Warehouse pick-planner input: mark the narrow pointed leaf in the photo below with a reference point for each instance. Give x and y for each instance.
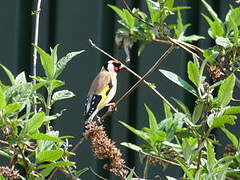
(47, 62)
(225, 91)
(132, 146)
(197, 112)
(9, 74)
(49, 155)
(220, 122)
(61, 64)
(183, 107)
(211, 159)
(193, 73)
(179, 81)
(56, 164)
(231, 137)
(45, 137)
(139, 133)
(21, 78)
(152, 120)
(232, 110)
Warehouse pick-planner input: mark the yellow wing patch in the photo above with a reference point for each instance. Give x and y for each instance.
(103, 94)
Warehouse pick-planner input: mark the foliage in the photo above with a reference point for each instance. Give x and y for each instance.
(27, 143)
(184, 137)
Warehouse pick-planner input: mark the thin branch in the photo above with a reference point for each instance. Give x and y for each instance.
(152, 69)
(183, 47)
(38, 10)
(97, 174)
(135, 74)
(74, 149)
(161, 159)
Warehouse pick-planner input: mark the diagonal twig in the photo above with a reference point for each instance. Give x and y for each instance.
(135, 74)
(153, 68)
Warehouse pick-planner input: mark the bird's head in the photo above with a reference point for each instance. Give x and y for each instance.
(114, 66)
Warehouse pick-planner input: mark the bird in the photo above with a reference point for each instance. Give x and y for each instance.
(102, 90)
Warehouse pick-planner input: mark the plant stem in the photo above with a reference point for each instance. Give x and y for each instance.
(36, 28)
(48, 107)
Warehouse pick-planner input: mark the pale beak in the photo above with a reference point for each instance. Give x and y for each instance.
(122, 66)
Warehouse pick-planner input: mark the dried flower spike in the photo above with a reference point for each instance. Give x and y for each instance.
(9, 173)
(104, 148)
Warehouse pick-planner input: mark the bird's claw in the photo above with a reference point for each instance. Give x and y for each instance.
(112, 107)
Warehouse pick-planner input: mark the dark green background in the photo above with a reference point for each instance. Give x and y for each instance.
(70, 24)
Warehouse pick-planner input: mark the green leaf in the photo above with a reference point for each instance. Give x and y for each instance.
(232, 16)
(47, 63)
(33, 124)
(54, 54)
(130, 20)
(220, 122)
(56, 164)
(139, 133)
(211, 159)
(179, 81)
(197, 112)
(2, 178)
(119, 12)
(48, 155)
(191, 38)
(183, 107)
(232, 110)
(216, 28)
(188, 147)
(11, 109)
(225, 91)
(61, 64)
(45, 137)
(21, 78)
(231, 137)
(167, 110)
(3, 102)
(186, 170)
(132, 146)
(45, 172)
(235, 30)
(152, 120)
(60, 95)
(211, 11)
(153, 8)
(9, 74)
(224, 42)
(56, 83)
(81, 171)
(193, 73)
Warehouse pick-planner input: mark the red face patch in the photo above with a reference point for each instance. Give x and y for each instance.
(117, 65)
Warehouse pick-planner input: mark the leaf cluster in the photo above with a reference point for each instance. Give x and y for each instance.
(27, 137)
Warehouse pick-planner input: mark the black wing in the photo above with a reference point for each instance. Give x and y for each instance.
(91, 105)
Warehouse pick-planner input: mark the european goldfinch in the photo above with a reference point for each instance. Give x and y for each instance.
(102, 90)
